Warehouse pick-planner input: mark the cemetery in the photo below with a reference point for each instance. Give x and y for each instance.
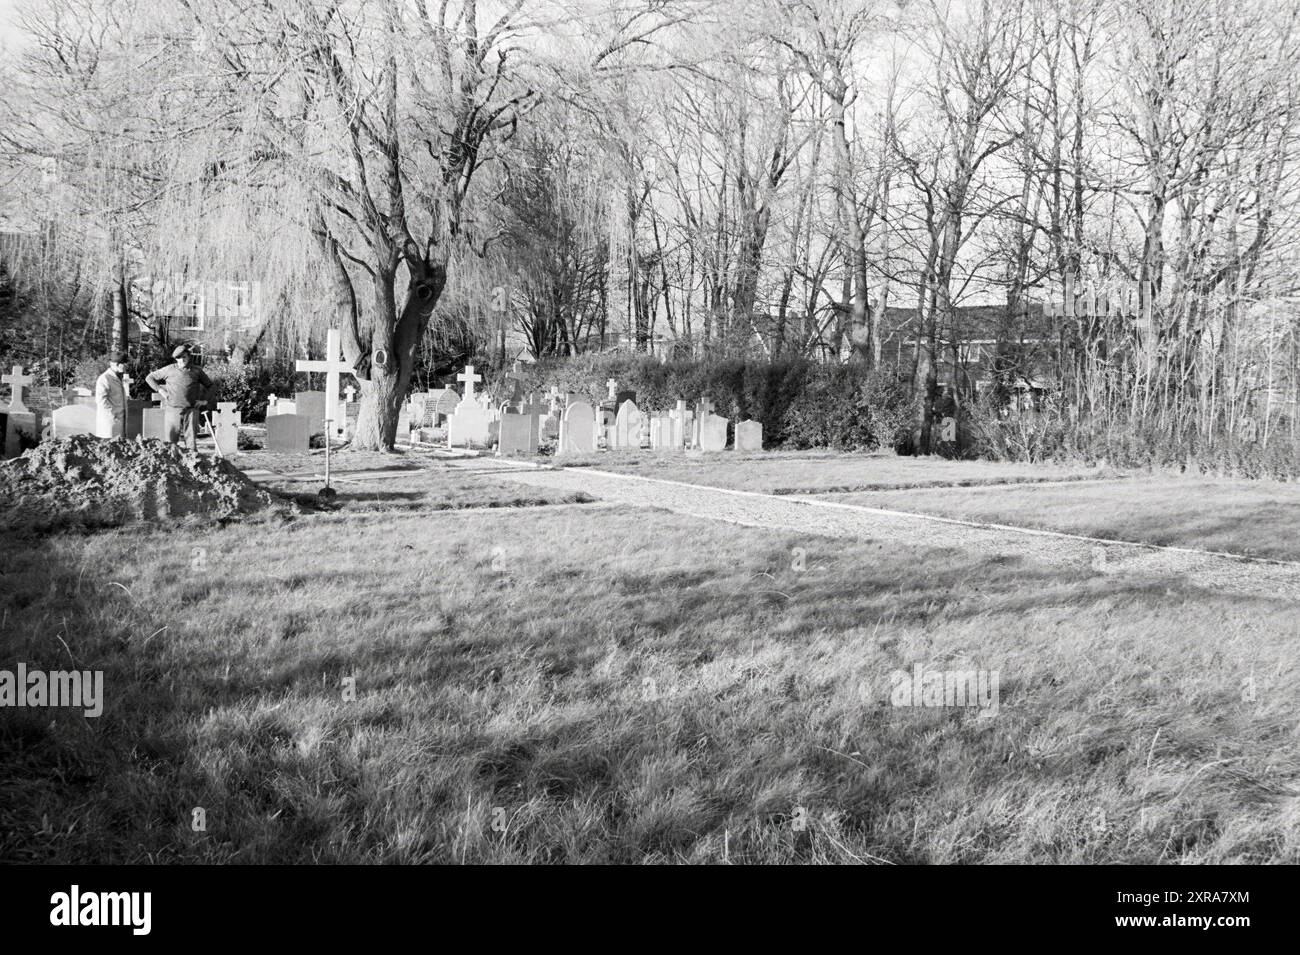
(651, 433)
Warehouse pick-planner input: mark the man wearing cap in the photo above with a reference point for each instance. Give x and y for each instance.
(186, 390)
(110, 398)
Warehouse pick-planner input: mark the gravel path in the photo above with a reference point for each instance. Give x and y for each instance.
(1218, 572)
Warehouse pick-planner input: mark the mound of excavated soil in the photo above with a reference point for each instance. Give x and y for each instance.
(92, 482)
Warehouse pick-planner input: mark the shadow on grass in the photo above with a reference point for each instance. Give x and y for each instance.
(522, 692)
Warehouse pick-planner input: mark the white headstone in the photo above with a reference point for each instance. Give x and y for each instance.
(578, 429)
(682, 425)
(627, 426)
(74, 419)
(713, 432)
(470, 423)
(226, 421)
(469, 379)
(16, 381)
(749, 436)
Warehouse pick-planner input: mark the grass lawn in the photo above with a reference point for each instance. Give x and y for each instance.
(785, 472)
(370, 482)
(606, 685)
(1250, 518)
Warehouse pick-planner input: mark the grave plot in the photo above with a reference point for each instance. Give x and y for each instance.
(1248, 518)
(814, 472)
(414, 481)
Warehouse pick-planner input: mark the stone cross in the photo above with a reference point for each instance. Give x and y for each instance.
(16, 381)
(469, 379)
(612, 385)
(333, 364)
(350, 392)
(225, 428)
(126, 384)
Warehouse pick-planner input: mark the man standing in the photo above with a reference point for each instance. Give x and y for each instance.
(110, 399)
(186, 390)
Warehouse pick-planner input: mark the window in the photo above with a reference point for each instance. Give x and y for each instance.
(189, 311)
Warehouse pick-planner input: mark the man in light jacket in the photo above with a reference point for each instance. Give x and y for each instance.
(110, 399)
(186, 391)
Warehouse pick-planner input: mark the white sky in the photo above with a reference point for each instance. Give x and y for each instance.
(8, 32)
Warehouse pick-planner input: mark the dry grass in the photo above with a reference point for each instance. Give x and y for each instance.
(773, 472)
(373, 482)
(571, 685)
(1249, 518)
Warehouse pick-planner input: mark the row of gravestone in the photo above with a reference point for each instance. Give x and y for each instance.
(585, 429)
(23, 427)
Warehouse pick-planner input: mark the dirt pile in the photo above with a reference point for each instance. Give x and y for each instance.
(91, 482)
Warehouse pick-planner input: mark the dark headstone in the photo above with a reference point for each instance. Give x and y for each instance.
(288, 432)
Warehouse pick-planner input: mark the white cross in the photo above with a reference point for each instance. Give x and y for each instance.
(333, 364)
(16, 381)
(126, 384)
(612, 385)
(469, 378)
(350, 392)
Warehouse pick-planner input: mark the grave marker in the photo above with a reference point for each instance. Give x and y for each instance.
(578, 429)
(627, 426)
(471, 422)
(153, 420)
(225, 426)
(74, 419)
(313, 406)
(518, 434)
(749, 436)
(289, 433)
(333, 365)
(713, 433)
(16, 381)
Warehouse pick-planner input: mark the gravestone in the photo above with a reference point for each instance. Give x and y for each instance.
(17, 382)
(135, 409)
(445, 406)
(280, 406)
(225, 423)
(627, 426)
(749, 436)
(948, 429)
(713, 433)
(518, 434)
(153, 420)
(333, 365)
(703, 408)
(21, 429)
(578, 429)
(78, 396)
(288, 432)
(311, 405)
(662, 433)
(74, 419)
(683, 424)
(470, 423)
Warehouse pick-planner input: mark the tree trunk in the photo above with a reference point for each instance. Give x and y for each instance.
(385, 374)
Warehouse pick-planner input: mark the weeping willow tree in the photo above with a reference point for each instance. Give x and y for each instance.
(382, 114)
(134, 183)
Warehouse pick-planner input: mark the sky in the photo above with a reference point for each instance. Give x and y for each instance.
(8, 32)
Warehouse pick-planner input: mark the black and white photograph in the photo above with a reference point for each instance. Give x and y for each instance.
(651, 432)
